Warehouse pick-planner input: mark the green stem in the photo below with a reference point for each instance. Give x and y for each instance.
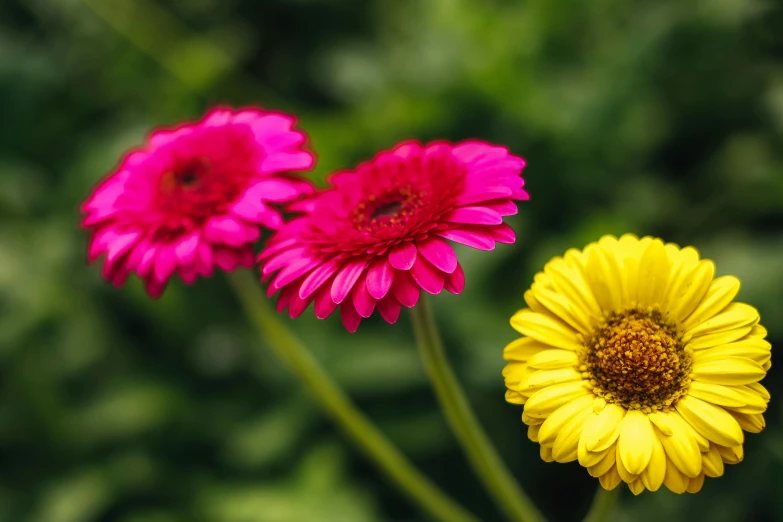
(337, 405)
(499, 482)
(602, 505)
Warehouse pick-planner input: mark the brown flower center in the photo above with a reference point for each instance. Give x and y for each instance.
(636, 358)
(387, 210)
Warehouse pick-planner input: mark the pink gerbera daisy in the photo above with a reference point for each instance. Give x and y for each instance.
(379, 236)
(195, 196)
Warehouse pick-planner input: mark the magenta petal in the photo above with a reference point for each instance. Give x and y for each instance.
(188, 273)
(297, 305)
(439, 253)
(379, 278)
(187, 249)
(324, 305)
(225, 229)
(473, 239)
(503, 207)
(405, 289)
(274, 248)
(474, 216)
(292, 272)
(279, 161)
(155, 288)
(285, 298)
(283, 259)
(503, 234)
(427, 276)
(346, 278)
(362, 300)
(317, 277)
(389, 308)
(205, 260)
(351, 318)
(137, 254)
(403, 256)
(455, 281)
(165, 263)
(274, 190)
(247, 258)
(482, 194)
(120, 244)
(147, 261)
(226, 258)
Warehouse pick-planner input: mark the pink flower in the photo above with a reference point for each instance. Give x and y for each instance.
(379, 236)
(195, 196)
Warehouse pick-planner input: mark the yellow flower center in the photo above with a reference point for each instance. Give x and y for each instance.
(636, 358)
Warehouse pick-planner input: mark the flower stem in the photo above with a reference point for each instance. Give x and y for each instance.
(602, 505)
(497, 479)
(337, 405)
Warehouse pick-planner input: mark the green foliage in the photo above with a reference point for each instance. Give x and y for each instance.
(660, 118)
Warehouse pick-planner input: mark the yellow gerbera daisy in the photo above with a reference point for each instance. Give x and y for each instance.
(637, 363)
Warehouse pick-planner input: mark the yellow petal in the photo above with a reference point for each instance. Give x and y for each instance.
(731, 371)
(565, 446)
(675, 480)
(687, 290)
(530, 421)
(544, 378)
(532, 432)
(605, 464)
(601, 430)
(752, 423)
(717, 394)
(514, 371)
(559, 306)
(626, 475)
(717, 338)
(546, 454)
(636, 487)
(755, 349)
(542, 403)
(545, 329)
(712, 463)
(554, 424)
(514, 397)
(695, 484)
(760, 389)
(711, 421)
(610, 480)
(590, 458)
(732, 455)
(653, 475)
(654, 272)
(523, 349)
(701, 441)
(570, 283)
(735, 315)
(681, 448)
(604, 277)
(754, 403)
(635, 445)
(758, 331)
(721, 292)
(551, 359)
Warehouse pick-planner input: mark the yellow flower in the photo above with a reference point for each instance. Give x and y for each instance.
(637, 363)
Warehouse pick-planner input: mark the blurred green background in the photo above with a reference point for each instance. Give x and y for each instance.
(660, 118)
